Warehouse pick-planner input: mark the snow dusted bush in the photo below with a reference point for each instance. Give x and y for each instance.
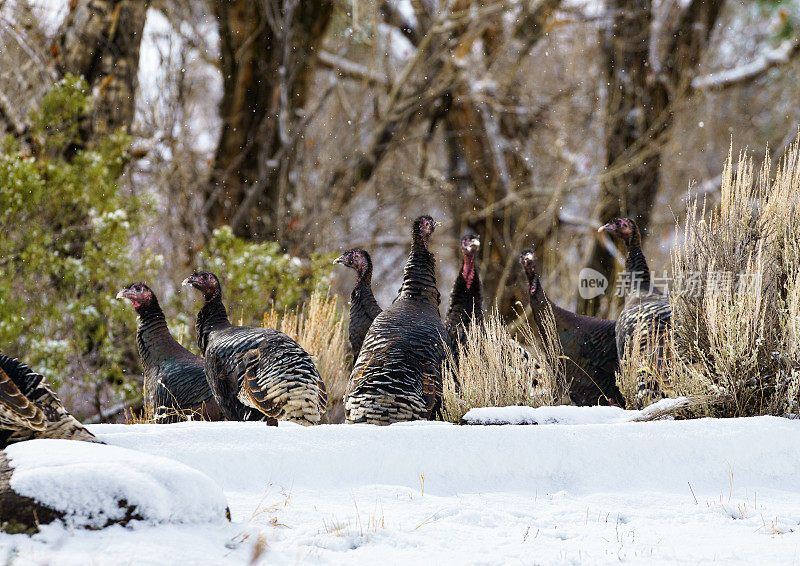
(65, 249)
(259, 276)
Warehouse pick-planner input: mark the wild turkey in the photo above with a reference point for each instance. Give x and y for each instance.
(363, 306)
(254, 368)
(643, 303)
(589, 344)
(398, 374)
(30, 409)
(466, 299)
(175, 386)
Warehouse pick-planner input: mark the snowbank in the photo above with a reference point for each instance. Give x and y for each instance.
(88, 482)
(757, 453)
(602, 492)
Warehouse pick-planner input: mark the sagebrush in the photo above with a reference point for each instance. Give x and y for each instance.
(733, 346)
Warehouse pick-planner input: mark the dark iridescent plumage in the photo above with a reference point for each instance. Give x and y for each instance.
(589, 345)
(254, 368)
(466, 299)
(175, 385)
(398, 374)
(643, 303)
(363, 306)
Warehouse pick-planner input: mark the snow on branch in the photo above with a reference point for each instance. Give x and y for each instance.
(352, 70)
(749, 71)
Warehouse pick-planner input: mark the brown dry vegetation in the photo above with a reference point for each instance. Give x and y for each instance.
(734, 343)
(493, 371)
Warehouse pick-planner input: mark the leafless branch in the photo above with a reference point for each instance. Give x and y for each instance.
(750, 71)
(353, 70)
(257, 188)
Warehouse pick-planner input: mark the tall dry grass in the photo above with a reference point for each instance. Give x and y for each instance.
(494, 370)
(319, 328)
(734, 346)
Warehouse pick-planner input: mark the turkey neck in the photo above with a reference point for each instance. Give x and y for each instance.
(152, 334)
(539, 305)
(362, 299)
(212, 316)
(419, 275)
(467, 294)
(539, 300)
(636, 264)
(468, 270)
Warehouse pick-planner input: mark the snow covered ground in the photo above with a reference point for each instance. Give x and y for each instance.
(598, 492)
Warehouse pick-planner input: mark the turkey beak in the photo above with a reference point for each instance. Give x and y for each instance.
(121, 294)
(187, 281)
(604, 228)
(341, 259)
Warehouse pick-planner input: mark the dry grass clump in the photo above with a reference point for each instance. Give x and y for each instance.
(494, 370)
(736, 297)
(319, 327)
(147, 416)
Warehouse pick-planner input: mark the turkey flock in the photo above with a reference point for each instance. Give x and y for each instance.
(261, 374)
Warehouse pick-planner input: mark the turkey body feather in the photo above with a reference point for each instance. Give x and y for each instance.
(654, 310)
(397, 377)
(257, 369)
(588, 344)
(590, 347)
(265, 370)
(30, 409)
(175, 385)
(398, 374)
(363, 306)
(646, 311)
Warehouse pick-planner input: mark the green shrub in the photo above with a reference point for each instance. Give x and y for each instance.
(258, 277)
(65, 250)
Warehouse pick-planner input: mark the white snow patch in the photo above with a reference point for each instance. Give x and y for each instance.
(87, 481)
(397, 46)
(668, 492)
(514, 415)
(407, 10)
(565, 414)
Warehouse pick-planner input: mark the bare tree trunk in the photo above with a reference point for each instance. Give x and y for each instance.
(268, 54)
(645, 83)
(100, 40)
(495, 170)
(433, 90)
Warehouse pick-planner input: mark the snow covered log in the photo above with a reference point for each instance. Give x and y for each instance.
(94, 486)
(20, 514)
